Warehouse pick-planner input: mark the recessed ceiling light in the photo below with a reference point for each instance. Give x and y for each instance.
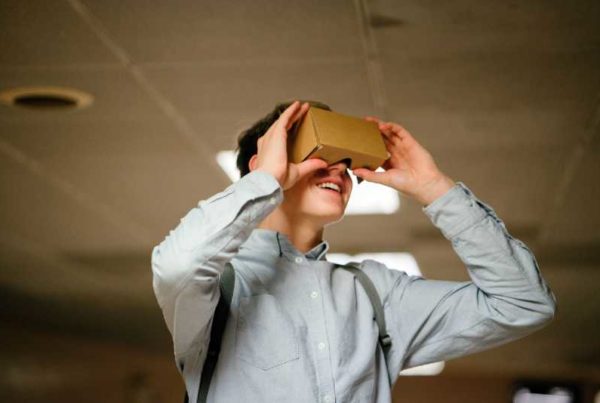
(366, 198)
(46, 98)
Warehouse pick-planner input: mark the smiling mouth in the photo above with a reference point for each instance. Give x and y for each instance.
(330, 189)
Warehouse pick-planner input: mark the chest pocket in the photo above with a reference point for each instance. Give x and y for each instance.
(265, 334)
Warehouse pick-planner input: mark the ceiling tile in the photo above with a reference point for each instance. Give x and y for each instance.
(153, 190)
(47, 33)
(463, 27)
(187, 30)
(32, 208)
(221, 99)
(52, 139)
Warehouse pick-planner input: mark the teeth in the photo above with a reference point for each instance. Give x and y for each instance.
(329, 185)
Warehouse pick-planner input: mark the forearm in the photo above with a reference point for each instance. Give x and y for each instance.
(506, 298)
(499, 265)
(187, 264)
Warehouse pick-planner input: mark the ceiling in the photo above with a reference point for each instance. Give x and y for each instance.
(505, 95)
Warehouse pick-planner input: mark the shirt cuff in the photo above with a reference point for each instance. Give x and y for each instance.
(258, 183)
(456, 210)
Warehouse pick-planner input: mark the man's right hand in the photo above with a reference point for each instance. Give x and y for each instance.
(272, 155)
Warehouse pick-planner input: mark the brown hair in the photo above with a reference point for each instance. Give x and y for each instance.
(247, 140)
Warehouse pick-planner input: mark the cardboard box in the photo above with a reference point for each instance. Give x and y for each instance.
(335, 137)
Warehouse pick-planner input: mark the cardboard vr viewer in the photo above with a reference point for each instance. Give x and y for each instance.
(334, 137)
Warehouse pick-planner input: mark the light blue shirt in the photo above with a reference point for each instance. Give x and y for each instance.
(299, 331)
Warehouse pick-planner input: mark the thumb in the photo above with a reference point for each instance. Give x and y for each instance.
(310, 165)
(371, 176)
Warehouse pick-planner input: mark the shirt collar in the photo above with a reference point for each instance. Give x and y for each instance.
(270, 241)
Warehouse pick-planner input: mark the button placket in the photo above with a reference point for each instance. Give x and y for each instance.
(319, 337)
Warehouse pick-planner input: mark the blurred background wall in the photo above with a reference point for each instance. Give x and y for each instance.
(505, 95)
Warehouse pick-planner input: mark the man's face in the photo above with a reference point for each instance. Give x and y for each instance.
(322, 195)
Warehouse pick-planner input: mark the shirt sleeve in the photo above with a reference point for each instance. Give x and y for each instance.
(187, 264)
(506, 299)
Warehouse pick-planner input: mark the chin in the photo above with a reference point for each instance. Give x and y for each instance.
(318, 207)
(331, 217)
(333, 221)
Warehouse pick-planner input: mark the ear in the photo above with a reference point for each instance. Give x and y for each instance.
(252, 162)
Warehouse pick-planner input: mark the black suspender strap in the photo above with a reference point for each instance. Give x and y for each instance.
(226, 285)
(384, 338)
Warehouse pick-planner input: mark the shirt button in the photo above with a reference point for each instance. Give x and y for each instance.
(298, 259)
(314, 294)
(326, 398)
(273, 200)
(321, 346)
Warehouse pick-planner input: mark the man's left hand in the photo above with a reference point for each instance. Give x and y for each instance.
(410, 169)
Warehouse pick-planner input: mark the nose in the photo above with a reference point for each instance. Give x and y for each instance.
(341, 168)
(338, 168)
(340, 165)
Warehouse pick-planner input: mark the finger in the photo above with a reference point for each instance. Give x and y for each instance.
(391, 141)
(288, 113)
(387, 137)
(387, 164)
(269, 133)
(371, 176)
(372, 119)
(298, 115)
(401, 132)
(396, 141)
(396, 127)
(391, 148)
(310, 165)
(386, 128)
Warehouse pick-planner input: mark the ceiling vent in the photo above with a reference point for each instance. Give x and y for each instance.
(46, 98)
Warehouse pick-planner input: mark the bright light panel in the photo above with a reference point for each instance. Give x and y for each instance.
(366, 198)
(372, 198)
(556, 396)
(226, 160)
(435, 368)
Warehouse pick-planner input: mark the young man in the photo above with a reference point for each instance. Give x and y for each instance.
(300, 331)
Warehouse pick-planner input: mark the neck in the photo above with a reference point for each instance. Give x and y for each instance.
(302, 233)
